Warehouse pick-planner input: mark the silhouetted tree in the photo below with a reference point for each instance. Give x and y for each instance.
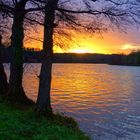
(15, 83)
(43, 100)
(3, 78)
(16, 9)
(4, 86)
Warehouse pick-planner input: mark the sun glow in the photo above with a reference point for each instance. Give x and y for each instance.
(79, 51)
(83, 42)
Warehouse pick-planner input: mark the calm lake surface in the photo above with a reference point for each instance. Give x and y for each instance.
(104, 99)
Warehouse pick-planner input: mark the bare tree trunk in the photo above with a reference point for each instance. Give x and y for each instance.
(44, 99)
(3, 77)
(16, 92)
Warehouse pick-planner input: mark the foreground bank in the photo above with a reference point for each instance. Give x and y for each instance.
(19, 123)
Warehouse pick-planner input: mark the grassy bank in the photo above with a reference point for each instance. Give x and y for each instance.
(21, 124)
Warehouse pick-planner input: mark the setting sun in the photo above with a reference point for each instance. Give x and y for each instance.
(79, 51)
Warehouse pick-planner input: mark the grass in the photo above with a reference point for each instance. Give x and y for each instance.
(21, 124)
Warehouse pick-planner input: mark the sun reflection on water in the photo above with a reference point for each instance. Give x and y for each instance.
(103, 99)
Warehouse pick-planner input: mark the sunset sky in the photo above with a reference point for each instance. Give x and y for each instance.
(112, 41)
(108, 43)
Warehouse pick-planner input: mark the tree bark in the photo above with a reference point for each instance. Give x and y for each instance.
(44, 99)
(3, 77)
(16, 92)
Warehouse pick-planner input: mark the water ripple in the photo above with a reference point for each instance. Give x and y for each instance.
(104, 99)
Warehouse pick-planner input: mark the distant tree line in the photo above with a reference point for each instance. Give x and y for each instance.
(132, 59)
(33, 56)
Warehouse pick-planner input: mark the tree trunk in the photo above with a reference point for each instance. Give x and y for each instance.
(16, 92)
(3, 77)
(44, 99)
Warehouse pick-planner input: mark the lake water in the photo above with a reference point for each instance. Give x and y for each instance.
(104, 99)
